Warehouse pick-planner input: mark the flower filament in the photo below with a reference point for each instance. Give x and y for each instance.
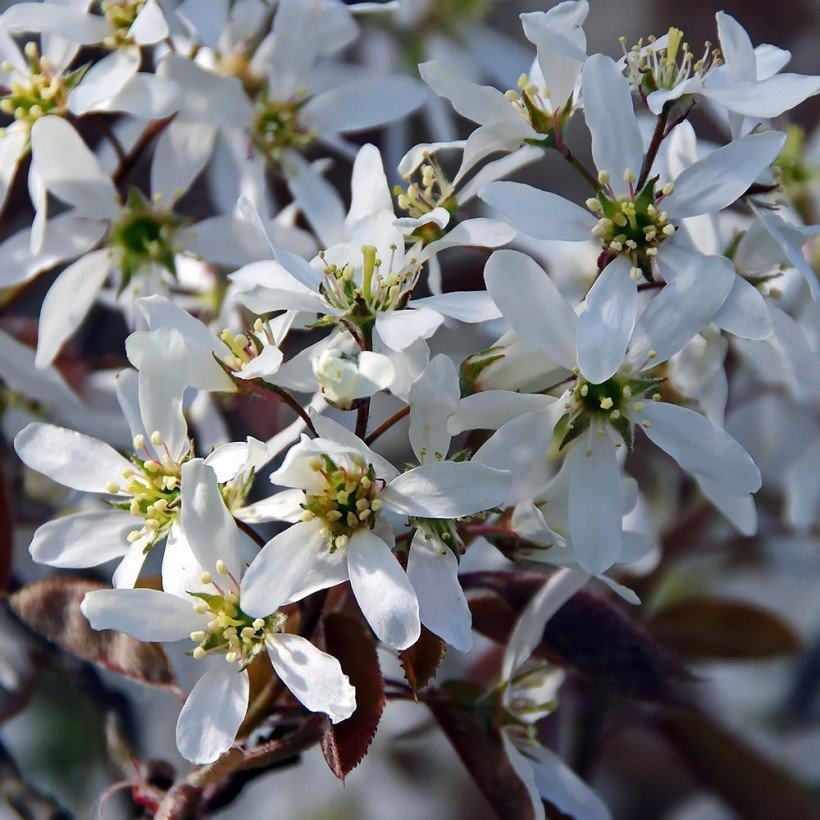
(121, 15)
(277, 126)
(376, 291)
(230, 631)
(245, 347)
(653, 67)
(534, 106)
(418, 200)
(347, 502)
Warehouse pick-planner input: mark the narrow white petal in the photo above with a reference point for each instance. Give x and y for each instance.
(318, 199)
(383, 591)
(617, 145)
(447, 489)
(213, 713)
(605, 327)
(433, 399)
(398, 329)
(765, 98)
(544, 319)
(314, 678)
(433, 571)
(52, 18)
(717, 180)
(701, 447)
(145, 614)
(745, 312)
(68, 301)
(70, 458)
(739, 509)
(83, 539)
(104, 80)
(180, 155)
(595, 505)
(540, 214)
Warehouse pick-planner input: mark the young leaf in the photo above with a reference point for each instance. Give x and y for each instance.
(720, 628)
(51, 608)
(422, 660)
(345, 744)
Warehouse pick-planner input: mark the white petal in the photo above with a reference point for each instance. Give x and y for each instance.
(529, 629)
(70, 171)
(745, 312)
(680, 310)
(383, 591)
(104, 80)
(739, 509)
(162, 381)
(207, 523)
(145, 614)
(368, 184)
(538, 213)
(70, 458)
(68, 301)
(523, 768)
(491, 409)
(471, 306)
(802, 482)
(314, 678)
(283, 506)
(558, 784)
(264, 365)
(595, 505)
(83, 539)
(474, 233)
(295, 562)
(701, 447)
(765, 98)
(180, 155)
(52, 18)
(479, 103)
(433, 399)
(12, 149)
(716, 181)
(149, 27)
(446, 489)
(362, 104)
(318, 199)
(181, 572)
(433, 571)
(544, 319)
(617, 145)
(398, 329)
(605, 327)
(213, 713)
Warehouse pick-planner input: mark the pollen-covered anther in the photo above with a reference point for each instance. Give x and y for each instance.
(346, 503)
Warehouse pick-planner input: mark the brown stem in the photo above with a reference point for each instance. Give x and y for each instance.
(109, 134)
(387, 424)
(657, 138)
(264, 389)
(250, 532)
(154, 129)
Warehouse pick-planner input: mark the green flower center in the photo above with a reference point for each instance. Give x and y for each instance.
(143, 236)
(632, 224)
(277, 127)
(347, 502)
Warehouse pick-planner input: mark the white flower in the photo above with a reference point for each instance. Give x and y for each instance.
(639, 226)
(343, 379)
(530, 694)
(369, 274)
(345, 495)
(613, 353)
(205, 605)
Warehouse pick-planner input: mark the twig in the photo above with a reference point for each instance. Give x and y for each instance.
(387, 424)
(657, 138)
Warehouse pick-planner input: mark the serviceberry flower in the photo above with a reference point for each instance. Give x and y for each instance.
(344, 496)
(209, 611)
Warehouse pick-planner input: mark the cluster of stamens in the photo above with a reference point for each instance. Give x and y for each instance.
(533, 104)
(631, 224)
(230, 631)
(616, 403)
(121, 15)
(378, 291)
(43, 91)
(277, 126)
(244, 347)
(145, 234)
(435, 191)
(652, 68)
(153, 484)
(347, 502)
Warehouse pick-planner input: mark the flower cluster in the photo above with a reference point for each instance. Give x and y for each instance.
(318, 444)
